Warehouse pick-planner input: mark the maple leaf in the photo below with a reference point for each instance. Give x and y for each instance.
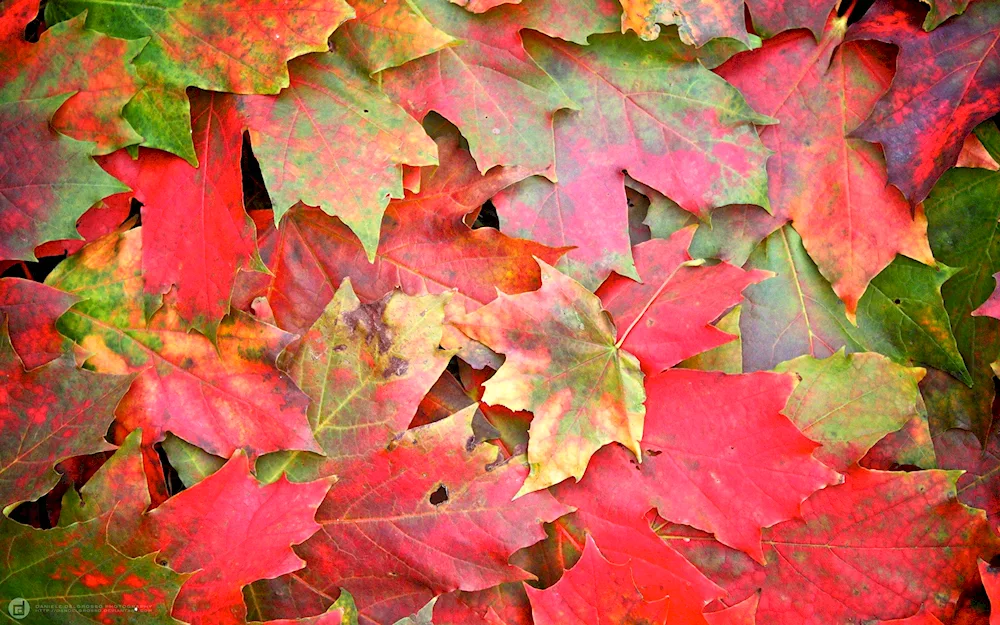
(831, 566)
(946, 84)
(33, 334)
(847, 403)
(50, 413)
(302, 136)
(903, 316)
(117, 493)
(832, 187)
(432, 514)
(742, 613)
(196, 233)
(700, 22)
(426, 247)
(730, 233)
(67, 59)
(182, 377)
(365, 368)
(504, 604)
(572, 599)
(192, 463)
(422, 617)
(701, 468)
(963, 233)
(979, 485)
(510, 120)
(991, 307)
(909, 446)
(48, 180)
(564, 365)
(364, 42)
(902, 313)
(668, 317)
(102, 218)
(70, 569)
(616, 519)
(229, 530)
(212, 45)
(660, 116)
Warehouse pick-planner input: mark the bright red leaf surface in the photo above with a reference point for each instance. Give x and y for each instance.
(595, 592)
(719, 455)
(229, 530)
(879, 546)
(196, 234)
(432, 513)
(667, 317)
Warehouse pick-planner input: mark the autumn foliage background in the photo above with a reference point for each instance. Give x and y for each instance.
(551, 312)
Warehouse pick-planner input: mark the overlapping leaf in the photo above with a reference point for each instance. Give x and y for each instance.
(573, 600)
(832, 187)
(228, 531)
(366, 368)
(31, 310)
(69, 59)
(49, 414)
(196, 233)
(76, 574)
(667, 318)
(947, 82)
(849, 403)
(47, 180)
(652, 110)
(913, 545)
(564, 365)
(217, 46)
(432, 514)
(182, 377)
(426, 247)
(308, 137)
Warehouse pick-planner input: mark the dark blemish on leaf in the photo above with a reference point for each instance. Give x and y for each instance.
(652, 453)
(368, 319)
(396, 366)
(496, 464)
(340, 348)
(439, 496)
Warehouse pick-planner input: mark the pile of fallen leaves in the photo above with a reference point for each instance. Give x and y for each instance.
(499, 312)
